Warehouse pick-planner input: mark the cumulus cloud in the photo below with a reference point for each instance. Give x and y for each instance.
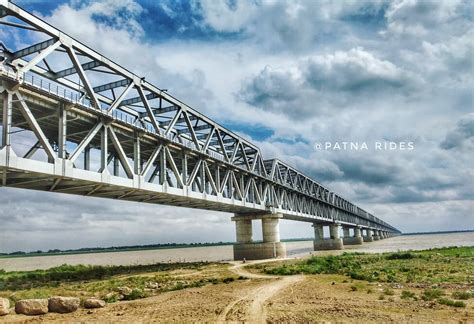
(418, 17)
(462, 135)
(325, 81)
(286, 25)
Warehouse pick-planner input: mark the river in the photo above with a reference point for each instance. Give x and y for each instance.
(224, 253)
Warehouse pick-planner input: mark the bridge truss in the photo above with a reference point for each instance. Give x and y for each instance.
(73, 121)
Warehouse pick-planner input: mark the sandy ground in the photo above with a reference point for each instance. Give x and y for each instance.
(267, 299)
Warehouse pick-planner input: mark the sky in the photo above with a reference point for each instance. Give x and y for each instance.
(297, 78)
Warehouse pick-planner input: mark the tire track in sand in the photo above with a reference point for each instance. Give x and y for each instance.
(256, 311)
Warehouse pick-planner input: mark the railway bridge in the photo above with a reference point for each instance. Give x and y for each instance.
(73, 121)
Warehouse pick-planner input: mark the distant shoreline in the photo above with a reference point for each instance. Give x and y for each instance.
(165, 246)
(439, 232)
(21, 254)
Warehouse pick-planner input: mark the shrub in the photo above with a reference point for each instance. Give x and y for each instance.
(381, 297)
(400, 256)
(407, 294)
(369, 291)
(388, 292)
(452, 303)
(135, 294)
(465, 295)
(353, 288)
(228, 279)
(431, 294)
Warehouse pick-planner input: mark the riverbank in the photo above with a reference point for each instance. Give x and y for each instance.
(413, 286)
(224, 253)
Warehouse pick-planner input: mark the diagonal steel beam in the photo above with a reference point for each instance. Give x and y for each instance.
(80, 148)
(151, 160)
(41, 56)
(148, 109)
(117, 102)
(82, 76)
(173, 167)
(122, 156)
(26, 112)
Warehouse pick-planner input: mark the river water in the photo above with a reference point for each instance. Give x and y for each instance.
(224, 253)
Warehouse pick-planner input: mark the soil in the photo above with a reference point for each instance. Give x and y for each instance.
(273, 299)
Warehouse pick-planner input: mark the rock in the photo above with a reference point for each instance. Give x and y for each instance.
(31, 306)
(63, 304)
(94, 303)
(124, 290)
(4, 306)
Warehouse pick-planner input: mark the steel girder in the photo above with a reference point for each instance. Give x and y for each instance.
(148, 135)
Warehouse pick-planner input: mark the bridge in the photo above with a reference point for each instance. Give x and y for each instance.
(73, 121)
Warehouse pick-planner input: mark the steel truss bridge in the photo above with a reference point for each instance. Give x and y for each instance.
(73, 121)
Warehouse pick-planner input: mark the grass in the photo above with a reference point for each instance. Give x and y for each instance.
(388, 292)
(452, 303)
(434, 266)
(18, 280)
(407, 294)
(431, 294)
(464, 295)
(104, 281)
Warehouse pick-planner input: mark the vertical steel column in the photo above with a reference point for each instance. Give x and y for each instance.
(87, 158)
(116, 166)
(104, 149)
(137, 159)
(7, 119)
(162, 166)
(218, 179)
(62, 114)
(184, 166)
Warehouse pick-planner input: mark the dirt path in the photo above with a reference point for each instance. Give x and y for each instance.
(253, 303)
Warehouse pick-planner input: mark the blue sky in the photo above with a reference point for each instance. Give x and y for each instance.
(288, 75)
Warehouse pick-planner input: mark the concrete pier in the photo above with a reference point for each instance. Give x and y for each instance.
(356, 239)
(271, 247)
(368, 237)
(376, 235)
(334, 242)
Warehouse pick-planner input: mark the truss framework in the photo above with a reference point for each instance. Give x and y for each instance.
(152, 147)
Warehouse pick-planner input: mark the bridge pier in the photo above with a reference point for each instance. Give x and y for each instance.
(368, 237)
(334, 242)
(356, 239)
(271, 247)
(376, 235)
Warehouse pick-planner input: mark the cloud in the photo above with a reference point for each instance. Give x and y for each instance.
(287, 25)
(325, 81)
(462, 135)
(418, 17)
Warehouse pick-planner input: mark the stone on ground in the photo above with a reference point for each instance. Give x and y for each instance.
(31, 306)
(94, 303)
(63, 304)
(4, 306)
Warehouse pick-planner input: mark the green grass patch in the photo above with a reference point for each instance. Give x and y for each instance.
(464, 295)
(407, 294)
(431, 294)
(432, 266)
(20, 280)
(452, 303)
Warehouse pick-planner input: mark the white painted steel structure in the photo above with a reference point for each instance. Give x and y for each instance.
(96, 129)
